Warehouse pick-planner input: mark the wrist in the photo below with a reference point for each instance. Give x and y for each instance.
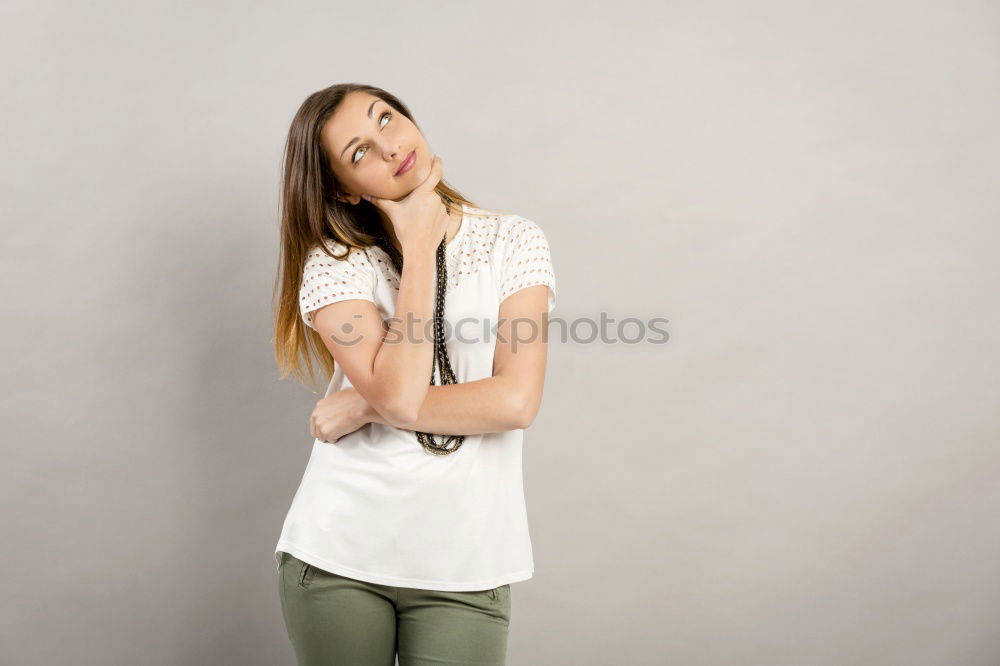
(364, 412)
(424, 257)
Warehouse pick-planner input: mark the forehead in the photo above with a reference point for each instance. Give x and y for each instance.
(350, 118)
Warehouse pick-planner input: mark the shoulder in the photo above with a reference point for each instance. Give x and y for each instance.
(332, 262)
(517, 234)
(518, 226)
(503, 231)
(332, 253)
(331, 274)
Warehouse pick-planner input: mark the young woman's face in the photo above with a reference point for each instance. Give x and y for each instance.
(367, 142)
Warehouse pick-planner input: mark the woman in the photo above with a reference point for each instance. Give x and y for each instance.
(409, 523)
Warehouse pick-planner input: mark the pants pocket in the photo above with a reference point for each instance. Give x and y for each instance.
(503, 603)
(499, 594)
(306, 573)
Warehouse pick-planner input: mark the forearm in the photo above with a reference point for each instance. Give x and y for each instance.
(485, 405)
(403, 364)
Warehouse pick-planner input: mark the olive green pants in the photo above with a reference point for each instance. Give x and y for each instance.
(333, 620)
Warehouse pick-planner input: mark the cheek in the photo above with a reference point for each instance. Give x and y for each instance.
(373, 176)
(408, 134)
(346, 176)
(376, 179)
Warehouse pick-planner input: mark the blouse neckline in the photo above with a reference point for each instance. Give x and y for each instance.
(461, 230)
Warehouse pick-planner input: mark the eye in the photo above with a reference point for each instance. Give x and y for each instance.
(356, 159)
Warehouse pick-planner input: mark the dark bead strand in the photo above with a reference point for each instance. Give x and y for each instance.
(442, 362)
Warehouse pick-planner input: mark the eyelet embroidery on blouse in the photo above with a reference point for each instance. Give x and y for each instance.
(517, 243)
(528, 259)
(464, 258)
(326, 280)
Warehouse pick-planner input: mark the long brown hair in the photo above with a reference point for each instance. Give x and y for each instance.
(311, 214)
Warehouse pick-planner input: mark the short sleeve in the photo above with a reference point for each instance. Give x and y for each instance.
(526, 260)
(326, 280)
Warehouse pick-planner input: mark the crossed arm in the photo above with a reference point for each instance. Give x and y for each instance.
(507, 400)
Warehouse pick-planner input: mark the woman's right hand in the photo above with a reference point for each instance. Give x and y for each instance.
(420, 219)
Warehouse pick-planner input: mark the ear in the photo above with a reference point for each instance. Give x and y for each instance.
(352, 199)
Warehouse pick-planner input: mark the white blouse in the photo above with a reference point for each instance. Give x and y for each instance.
(375, 505)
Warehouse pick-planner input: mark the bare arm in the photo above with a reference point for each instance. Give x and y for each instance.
(392, 376)
(509, 399)
(467, 408)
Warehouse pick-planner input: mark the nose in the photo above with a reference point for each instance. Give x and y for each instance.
(389, 146)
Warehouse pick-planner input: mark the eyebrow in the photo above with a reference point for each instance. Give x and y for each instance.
(351, 142)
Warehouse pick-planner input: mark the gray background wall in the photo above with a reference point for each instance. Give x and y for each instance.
(804, 474)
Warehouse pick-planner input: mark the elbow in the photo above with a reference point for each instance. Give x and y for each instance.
(401, 415)
(523, 411)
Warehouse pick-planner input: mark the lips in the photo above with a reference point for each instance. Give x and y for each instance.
(407, 163)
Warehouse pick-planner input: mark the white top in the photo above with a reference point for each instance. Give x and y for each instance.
(375, 505)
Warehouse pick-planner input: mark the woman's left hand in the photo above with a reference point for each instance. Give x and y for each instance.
(338, 414)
